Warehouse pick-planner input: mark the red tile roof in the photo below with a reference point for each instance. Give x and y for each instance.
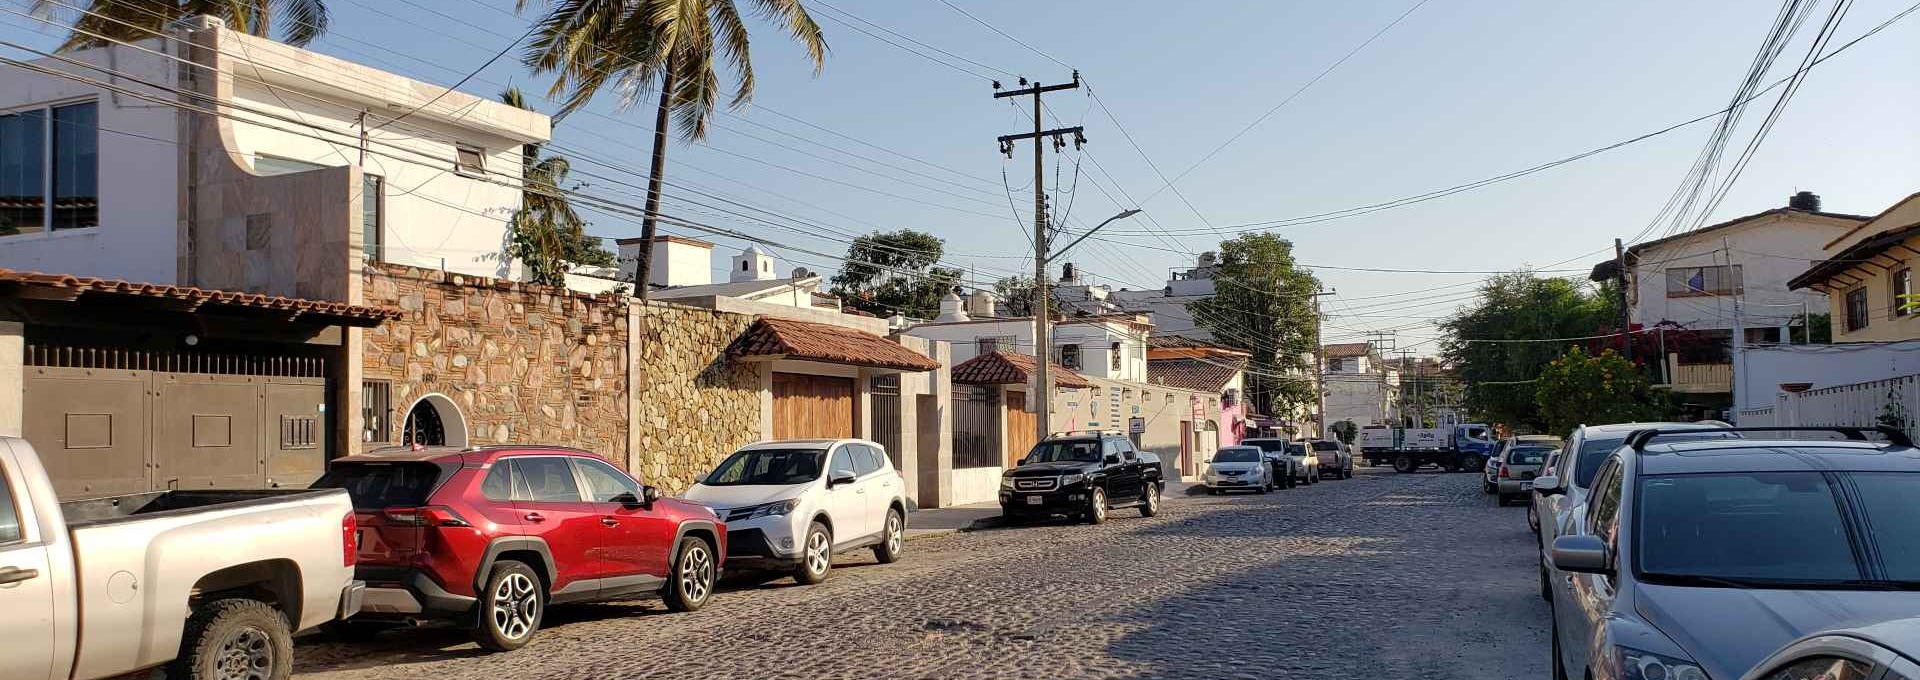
(66, 287)
(788, 339)
(1351, 349)
(1192, 374)
(1001, 368)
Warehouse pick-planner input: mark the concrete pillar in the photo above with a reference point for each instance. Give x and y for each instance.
(766, 399)
(13, 378)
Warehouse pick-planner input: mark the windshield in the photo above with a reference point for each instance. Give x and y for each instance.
(768, 466)
(377, 486)
(1326, 446)
(1237, 455)
(1528, 455)
(1268, 445)
(1296, 449)
(1078, 451)
(1751, 528)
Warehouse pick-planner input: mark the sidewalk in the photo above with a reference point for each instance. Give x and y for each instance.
(941, 521)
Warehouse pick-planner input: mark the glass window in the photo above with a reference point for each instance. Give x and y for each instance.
(1857, 309)
(606, 484)
(268, 166)
(9, 514)
(866, 461)
(1825, 668)
(471, 160)
(372, 215)
(1077, 450)
(1903, 301)
(1693, 281)
(1529, 455)
(76, 166)
(23, 179)
(1889, 501)
(1593, 452)
(842, 463)
(546, 479)
(1070, 356)
(498, 486)
(1118, 352)
(767, 466)
(1606, 503)
(1757, 527)
(376, 486)
(1237, 454)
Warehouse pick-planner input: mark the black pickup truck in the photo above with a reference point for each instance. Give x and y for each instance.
(1082, 476)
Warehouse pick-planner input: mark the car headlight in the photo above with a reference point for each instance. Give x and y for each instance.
(773, 509)
(1074, 478)
(1643, 665)
(1006, 482)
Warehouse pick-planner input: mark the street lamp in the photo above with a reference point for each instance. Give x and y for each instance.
(1124, 214)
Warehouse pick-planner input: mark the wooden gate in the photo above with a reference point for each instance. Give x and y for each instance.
(1020, 424)
(812, 406)
(113, 421)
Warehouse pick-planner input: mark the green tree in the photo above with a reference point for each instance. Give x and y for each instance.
(546, 234)
(1816, 329)
(1016, 295)
(1518, 307)
(674, 48)
(103, 22)
(1578, 387)
(894, 271)
(1262, 302)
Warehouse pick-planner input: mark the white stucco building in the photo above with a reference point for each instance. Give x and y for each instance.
(1110, 346)
(1358, 386)
(173, 200)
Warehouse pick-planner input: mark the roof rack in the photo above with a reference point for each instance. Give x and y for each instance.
(1639, 439)
(1070, 433)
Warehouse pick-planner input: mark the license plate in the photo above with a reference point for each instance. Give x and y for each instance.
(1036, 500)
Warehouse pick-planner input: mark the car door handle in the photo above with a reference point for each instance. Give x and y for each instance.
(609, 522)
(16, 575)
(535, 517)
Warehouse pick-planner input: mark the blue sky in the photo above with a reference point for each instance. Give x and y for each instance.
(1458, 91)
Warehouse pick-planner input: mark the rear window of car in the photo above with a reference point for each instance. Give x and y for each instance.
(1527, 456)
(1268, 445)
(1325, 446)
(376, 486)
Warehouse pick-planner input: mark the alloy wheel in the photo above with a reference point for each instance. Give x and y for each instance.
(1099, 503)
(247, 655)
(894, 534)
(696, 574)
(515, 603)
(817, 556)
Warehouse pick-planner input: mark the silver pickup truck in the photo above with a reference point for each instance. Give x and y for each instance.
(215, 582)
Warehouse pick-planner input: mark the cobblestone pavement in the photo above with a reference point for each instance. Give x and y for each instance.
(1382, 576)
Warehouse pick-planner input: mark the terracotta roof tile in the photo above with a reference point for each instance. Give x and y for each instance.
(1351, 349)
(802, 340)
(1001, 368)
(69, 287)
(1193, 374)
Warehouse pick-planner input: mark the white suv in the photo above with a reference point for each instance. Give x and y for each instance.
(794, 504)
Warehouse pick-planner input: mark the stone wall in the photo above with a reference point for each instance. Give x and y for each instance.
(521, 363)
(691, 405)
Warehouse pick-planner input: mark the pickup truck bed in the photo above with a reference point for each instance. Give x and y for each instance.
(88, 511)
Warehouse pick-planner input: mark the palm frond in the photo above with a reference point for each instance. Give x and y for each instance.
(800, 26)
(733, 45)
(305, 20)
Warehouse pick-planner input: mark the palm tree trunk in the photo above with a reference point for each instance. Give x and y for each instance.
(642, 270)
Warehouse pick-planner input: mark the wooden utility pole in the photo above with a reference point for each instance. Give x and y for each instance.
(1626, 315)
(1041, 400)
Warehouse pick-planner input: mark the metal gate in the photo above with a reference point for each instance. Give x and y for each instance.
(884, 399)
(976, 427)
(111, 420)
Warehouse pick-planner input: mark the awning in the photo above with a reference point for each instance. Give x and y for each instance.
(774, 339)
(69, 288)
(1000, 368)
(1854, 256)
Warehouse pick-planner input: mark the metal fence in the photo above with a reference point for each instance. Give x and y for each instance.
(976, 428)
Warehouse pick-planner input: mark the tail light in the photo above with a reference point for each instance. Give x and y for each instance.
(1504, 473)
(428, 516)
(349, 540)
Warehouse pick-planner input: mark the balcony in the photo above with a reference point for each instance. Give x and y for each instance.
(1698, 378)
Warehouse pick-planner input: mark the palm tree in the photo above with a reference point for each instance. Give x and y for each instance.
(104, 22)
(634, 46)
(547, 234)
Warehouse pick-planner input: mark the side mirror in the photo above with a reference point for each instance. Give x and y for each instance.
(1581, 554)
(628, 500)
(839, 478)
(649, 495)
(1112, 459)
(1548, 485)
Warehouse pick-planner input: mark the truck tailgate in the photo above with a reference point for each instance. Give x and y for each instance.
(137, 571)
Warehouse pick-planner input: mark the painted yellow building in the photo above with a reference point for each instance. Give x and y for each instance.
(1867, 273)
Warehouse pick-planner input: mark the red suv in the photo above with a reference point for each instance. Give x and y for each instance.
(489, 537)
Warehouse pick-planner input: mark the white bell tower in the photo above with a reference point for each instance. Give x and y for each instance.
(752, 264)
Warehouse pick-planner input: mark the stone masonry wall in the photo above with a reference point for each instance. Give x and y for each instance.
(691, 405)
(523, 363)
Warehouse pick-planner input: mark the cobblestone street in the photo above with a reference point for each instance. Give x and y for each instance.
(1382, 576)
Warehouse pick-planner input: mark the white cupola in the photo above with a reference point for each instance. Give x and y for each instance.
(752, 264)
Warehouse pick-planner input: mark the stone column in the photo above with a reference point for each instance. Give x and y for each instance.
(13, 378)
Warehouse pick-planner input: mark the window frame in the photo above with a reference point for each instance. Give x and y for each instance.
(1708, 274)
(1118, 352)
(11, 503)
(377, 185)
(582, 463)
(47, 173)
(1895, 290)
(1076, 356)
(520, 480)
(843, 449)
(479, 166)
(509, 470)
(1857, 319)
(383, 433)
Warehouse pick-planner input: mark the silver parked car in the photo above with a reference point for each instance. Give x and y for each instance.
(1239, 468)
(1885, 651)
(1698, 558)
(1519, 466)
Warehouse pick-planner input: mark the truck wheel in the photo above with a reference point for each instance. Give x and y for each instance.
(235, 638)
(1150, 505)
(894, 542)
(1404, 463)
(1097, 506)
(511, 607)
(1474, 463)
(690, 581)
(816, 556)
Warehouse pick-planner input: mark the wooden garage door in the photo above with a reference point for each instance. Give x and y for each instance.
(1020, 424)
(812, 406)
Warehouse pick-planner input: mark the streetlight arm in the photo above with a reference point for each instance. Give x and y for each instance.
(1123, 215)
